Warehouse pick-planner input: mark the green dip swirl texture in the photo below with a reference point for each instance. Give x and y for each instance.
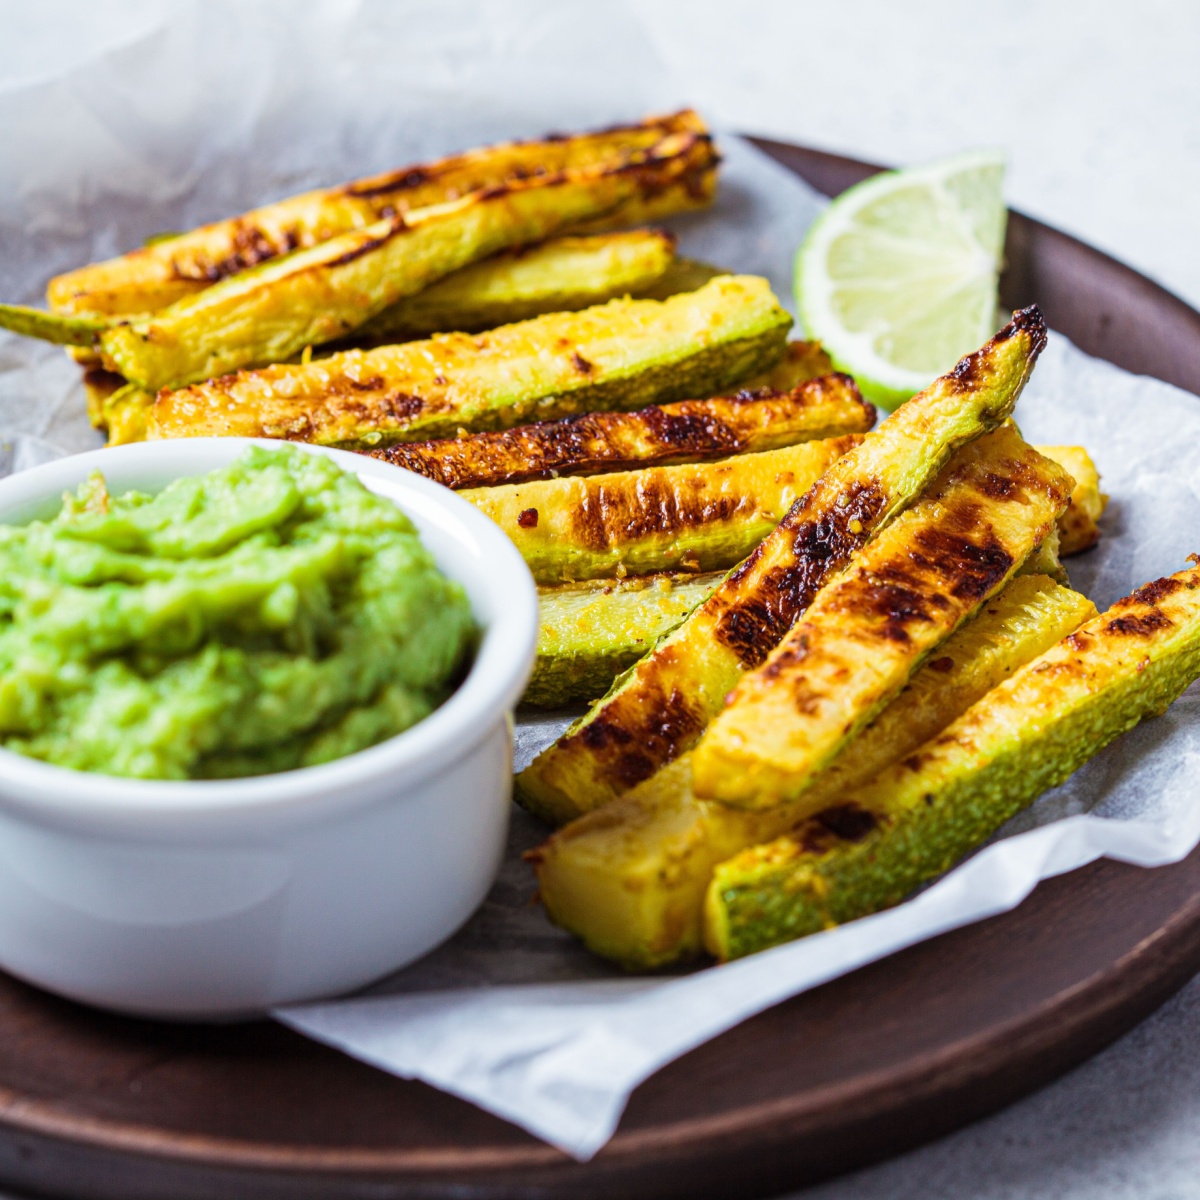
(270, 615)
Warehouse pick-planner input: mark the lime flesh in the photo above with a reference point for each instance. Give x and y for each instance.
(898, 277)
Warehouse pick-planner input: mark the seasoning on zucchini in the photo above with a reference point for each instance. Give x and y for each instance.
(159, 274)
(659, 709)
(592, 631)
(870, 628)
(274, 311)
(687, 431)
(629, 878)
(624, 354)
(697, 516)
(923, 814)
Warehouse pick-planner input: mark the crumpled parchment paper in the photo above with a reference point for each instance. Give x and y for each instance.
(183, 124)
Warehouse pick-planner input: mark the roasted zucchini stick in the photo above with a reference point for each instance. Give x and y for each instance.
(688, 431)
(659, 709)
(695, 516)
(624, 354)
(560, 275)
(629, 879)
(921, 815)
(313, 296)
(590, 632)
(1079, 527)
(158, 275)
(867, 631)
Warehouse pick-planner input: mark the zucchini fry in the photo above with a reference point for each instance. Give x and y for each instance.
(590, 632)
(560, 275)
(698, 516)
(867, 631)
(921, 815)
(1079, 528)
(629, 879)
(313, 296)
(621, 355)
(687, 431)
(659, 709)
(151, 278)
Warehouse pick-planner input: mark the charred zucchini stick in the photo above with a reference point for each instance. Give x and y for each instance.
(590, 632)
(312, 296)
(624, 354)
(659, 709)
(156, 276)
(920, 816)
(1079, 528)
(560, 275)
(688, 431)
(698, 516)
(629, 879)
(869, 629)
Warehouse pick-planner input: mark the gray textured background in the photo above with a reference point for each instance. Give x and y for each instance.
(1099, 109)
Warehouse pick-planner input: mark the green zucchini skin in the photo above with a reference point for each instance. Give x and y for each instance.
(629, 879)
(173, 267)
(922, 815)
(563, 274)
(52, 327)
(272, 312)
(660, 708)
(626, 354)
(591, 632)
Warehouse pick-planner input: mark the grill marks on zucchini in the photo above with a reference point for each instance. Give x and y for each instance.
(691, 430)
(866, 631)
(638, 351)
(629, 878)
(658, 710)
(155, 276)
(313, 296)
(924, 813)
(702, 516)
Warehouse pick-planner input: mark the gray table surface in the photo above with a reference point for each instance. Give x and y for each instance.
(1099, 109)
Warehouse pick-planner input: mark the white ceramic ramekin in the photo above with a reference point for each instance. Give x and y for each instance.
(224, 898)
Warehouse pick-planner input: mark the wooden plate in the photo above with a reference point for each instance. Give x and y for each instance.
(871, 1064)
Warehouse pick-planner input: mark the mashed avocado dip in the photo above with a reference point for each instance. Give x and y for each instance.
(269, 615)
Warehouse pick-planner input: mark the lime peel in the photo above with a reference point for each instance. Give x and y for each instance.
(898, 277)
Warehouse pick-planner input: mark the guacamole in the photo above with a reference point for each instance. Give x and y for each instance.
(269, 615)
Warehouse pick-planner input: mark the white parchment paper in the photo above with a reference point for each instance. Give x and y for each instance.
(222, 105)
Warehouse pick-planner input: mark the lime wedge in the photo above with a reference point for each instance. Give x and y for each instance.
(897, 278)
